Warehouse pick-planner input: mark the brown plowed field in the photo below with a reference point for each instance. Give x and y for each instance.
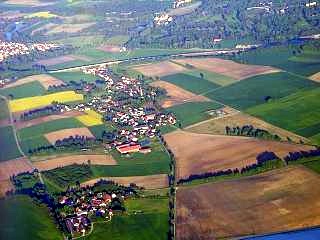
(160, 69)
(57, 60)
(148, 182)
(5, 186)
(177, 95)
(110, 48)
(200, 153)
(52, 137)
(23, 124)
(280, 200)
(217, 126)
(44, 79)
(227, 67)
(13, 167)
(74, 159)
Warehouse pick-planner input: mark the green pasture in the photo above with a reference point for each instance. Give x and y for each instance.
(9, 149)
(30, 89)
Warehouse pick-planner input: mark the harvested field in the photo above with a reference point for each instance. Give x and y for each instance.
(217, 126)
(45, 80)
(200, 153)
(148, 182)
(57, 60)
(13, 167)
(160, 69)
(68, 28)
(110, 48)
(23, 124)
(227, 67)
(5, 186)
(281, 200)
(177, 95)
(315, 77)
(52, 137)
(53, 163)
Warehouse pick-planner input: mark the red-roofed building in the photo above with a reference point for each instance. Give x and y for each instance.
(129, 148)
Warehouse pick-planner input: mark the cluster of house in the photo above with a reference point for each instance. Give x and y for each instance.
(162, 19)
(132, 121)
(83, 208)
(11, 49)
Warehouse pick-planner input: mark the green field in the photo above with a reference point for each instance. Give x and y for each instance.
(23, 219)
(254, 90)
(193, 112)
(216, 78)
(8, 145)
(30, 89)
(32, 137)
(76, 76)
(299, 112)
(4, 111)
(305, 63)
(194, 84)
(150, 222)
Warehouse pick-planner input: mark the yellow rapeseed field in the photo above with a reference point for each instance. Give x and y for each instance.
(91, 118)
(28, 103)
(44, 14)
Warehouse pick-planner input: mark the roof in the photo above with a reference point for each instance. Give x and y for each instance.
(128, 149)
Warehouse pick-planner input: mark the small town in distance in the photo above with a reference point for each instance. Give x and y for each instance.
(174, 119)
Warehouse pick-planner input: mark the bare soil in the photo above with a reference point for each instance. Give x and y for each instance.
(148, 182)
(44, 79)
(200, 153)
(177, 95)
(280, 200)
(227, 67)
(160, 69)
(52, 137)
(13, 167)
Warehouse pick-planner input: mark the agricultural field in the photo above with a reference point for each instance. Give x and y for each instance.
(31, 3)
(201, 153)
(62, 60)
(268, 202)
(218, 126)
(32, 137)
(298, 112)
(91, 118)
(197, 85)
(4, 111)
(176, 95)
(24, 104)
(14, 167)
(257, 90)
(148, 182)
(287, 57)
(76, 76)
(160, 69)
(33, 220)
(44, 79)
(8, 145)
(227, 67)
(25, 90)
(58, 162)
(193, 112)
(151, 223)
(54, 136)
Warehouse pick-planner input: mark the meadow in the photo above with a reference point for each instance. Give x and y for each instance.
(24, 104)
(254, 91)
(76, 76)
(216, 78)
(298, 112)
(191, 83)
(193, 112)
(30, 89)
(286, 57)
(32, 137)
(8, 145)
(4, 111)
(150, 222)
(33, 220)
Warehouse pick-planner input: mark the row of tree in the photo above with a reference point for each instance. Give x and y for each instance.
(41, 112)
(262, 159)
(250, 131)
(295, 156)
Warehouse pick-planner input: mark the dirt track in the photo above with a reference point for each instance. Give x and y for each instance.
(200, 153)
(148, 182)
(227, 67)
(177, 95)
(52, 137)
(281, 200)
(74, 159)
(159, 69)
